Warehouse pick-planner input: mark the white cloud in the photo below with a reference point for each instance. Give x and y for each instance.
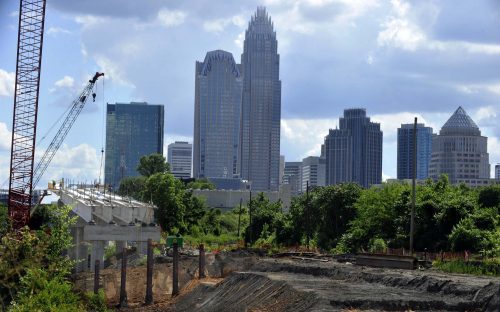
(240, 39)
(88, 21)
(79, 163)
(399, 31)
(7, 82)
(169, 18)
(402, 30)
(483, 113)
(305, 136)
(65, 82)
(5, 137)
(494, 151)
(112, 71)
(57, 30)
(218, 25)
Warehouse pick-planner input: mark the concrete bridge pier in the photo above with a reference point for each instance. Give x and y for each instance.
(97, 253)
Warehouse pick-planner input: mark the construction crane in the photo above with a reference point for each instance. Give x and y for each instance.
(68, 122)
(23, 178)
(28, 65)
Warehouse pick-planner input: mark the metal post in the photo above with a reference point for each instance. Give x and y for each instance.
(201, 267)
(149, 274)
(123, 289)
(250, 216)
(97, 269)
(306, 213)
(175, 273)
(239, 218)
(413, 186)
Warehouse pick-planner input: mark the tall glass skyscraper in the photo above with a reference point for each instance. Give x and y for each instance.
(132, 131)
(405, 151)
(261, 109)
(354, 151)
(461, 152)
(217, 113)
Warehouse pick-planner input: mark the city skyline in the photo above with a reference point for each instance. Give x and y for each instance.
(434, 68)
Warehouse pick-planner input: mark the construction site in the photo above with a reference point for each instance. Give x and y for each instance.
(152, 271)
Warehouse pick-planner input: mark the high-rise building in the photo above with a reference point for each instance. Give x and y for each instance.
(354, 151)
(179, 158)
(132, 130)
(261, 107)
(497, 172)
(405, 151)
(291, 176)
(282, 168)
(461, 152)
(313, 170)
(218, 87)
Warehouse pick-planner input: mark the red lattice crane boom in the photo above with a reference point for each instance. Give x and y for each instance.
(29, 61)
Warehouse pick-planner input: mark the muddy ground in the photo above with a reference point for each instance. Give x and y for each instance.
(241, 281)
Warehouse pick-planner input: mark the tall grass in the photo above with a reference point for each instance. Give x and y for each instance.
(490, 267)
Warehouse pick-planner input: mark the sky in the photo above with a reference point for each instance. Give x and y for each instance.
(399, 59)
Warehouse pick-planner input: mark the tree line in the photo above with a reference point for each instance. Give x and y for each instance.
(338, 218)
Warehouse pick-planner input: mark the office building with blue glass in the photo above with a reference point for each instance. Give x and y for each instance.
(261, 106)
(217, 114)
(354, 151)
(405, 151)
(133, 130)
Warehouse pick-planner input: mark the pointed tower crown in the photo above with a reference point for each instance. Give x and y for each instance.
(460, 123)
(261, 22)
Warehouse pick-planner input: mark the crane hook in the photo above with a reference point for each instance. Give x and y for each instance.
(93, 97)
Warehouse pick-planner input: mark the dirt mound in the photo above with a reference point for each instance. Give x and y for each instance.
(476, 290)
(246, 292)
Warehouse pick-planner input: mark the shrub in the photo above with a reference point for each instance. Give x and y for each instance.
(96, 302)
(45, 295)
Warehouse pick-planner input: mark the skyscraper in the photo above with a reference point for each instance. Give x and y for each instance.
(497, 172)
(218, 87)
(179, 158)
(461, 152)
(132, 131)
(312, 171)
(261, 108)
(291, 176)
(354, 151)
(405, 151)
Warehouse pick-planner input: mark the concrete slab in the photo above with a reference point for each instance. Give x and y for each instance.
(121, 233)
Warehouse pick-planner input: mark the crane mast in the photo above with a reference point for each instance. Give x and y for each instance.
(28, 65)
(68, 122)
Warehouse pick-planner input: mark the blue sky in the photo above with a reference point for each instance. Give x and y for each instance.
(398, 59)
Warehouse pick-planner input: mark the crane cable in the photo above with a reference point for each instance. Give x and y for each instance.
(102, 131)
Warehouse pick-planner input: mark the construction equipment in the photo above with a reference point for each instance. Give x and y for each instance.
(28, 65)
(68, 122)
(23, 178)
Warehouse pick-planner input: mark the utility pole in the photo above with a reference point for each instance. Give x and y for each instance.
(250, 215)
(413, 185)
(239, 218)
(306, 213)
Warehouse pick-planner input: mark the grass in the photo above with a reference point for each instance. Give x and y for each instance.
(212, 241)
(489, 267)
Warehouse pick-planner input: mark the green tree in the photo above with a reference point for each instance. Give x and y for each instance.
(167, 193)
(133, 187)
(28, 251)
(4, 219)
(335, 208)
(151, 164)
(490, 196)
(264, 216)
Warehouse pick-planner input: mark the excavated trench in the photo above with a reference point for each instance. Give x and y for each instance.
(291, 285)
